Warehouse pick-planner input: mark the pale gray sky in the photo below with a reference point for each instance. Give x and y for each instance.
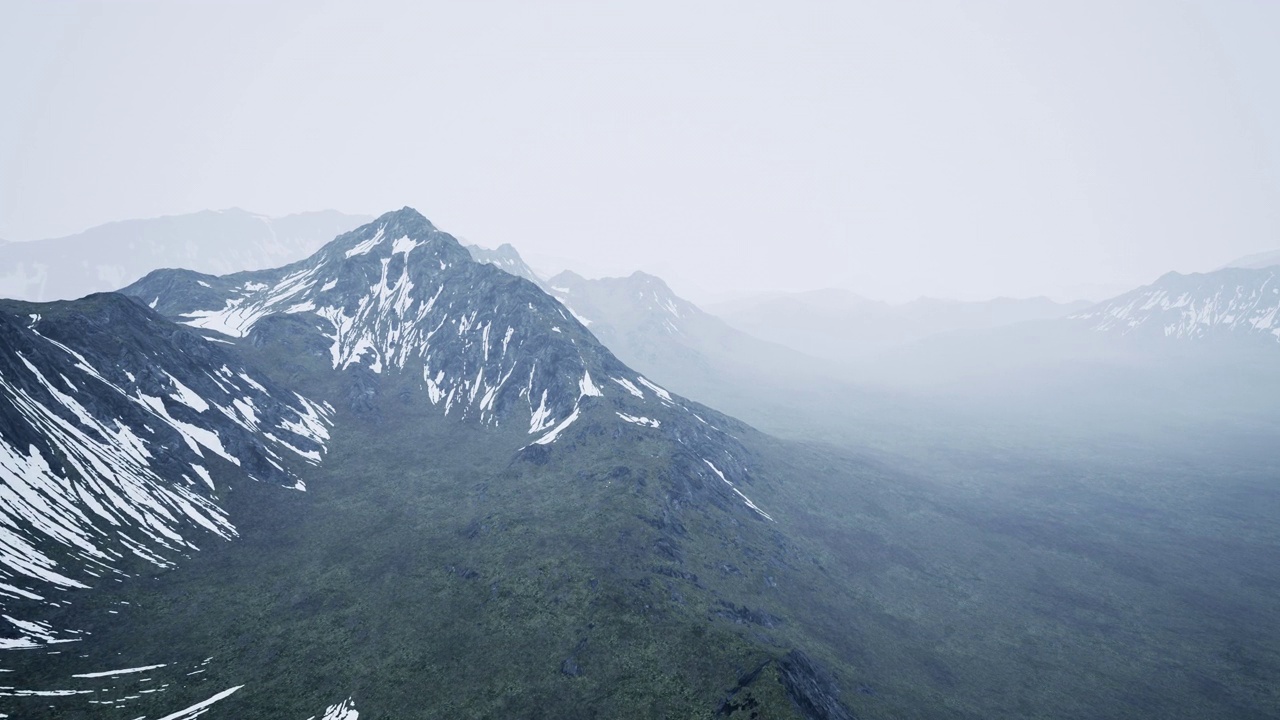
(894, 148)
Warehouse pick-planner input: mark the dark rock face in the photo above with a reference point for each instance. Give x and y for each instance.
(740, 699)
(811, 688)
(570, 667)
(746, 616)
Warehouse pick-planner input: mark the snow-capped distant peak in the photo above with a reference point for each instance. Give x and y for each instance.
(506, 258)
(1233, 301)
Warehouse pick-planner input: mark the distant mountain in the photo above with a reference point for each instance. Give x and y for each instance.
(110, 256)
(1256, 261)
(691, 351)
(650, 328)
(507, 259)
(1187, 353)
(1233, 303)
(1172, 329)
(838, 325)
(617, 303)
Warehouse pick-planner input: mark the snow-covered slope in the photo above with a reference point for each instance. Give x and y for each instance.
(1230, 303)
(400, 296)
(118, 433)
(110, 256)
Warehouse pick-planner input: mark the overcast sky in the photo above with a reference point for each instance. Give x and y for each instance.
(898, 149)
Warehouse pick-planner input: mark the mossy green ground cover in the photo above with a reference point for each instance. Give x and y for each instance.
(430, 571)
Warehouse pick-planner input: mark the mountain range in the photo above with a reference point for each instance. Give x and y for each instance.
(497, 465)
(838, 325)
(875, 373)
(1257, 260)
(400, 477)
(1232, 303)
(110, 256)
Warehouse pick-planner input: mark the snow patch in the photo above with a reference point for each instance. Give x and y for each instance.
(404, 244)
(647, 422)
(587, 387)
(629, 387)
(733, 487)
(345, 710)
(555, 432)
(656, 390)
(125, 671)
(365, 247)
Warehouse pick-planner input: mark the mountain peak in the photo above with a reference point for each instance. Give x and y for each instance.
(406, 215)
(405, 221)
(566, 277)
(643, 297)
(1242, 302)
(395, 232)
(398, 297)
(642, 276)
(507, 259)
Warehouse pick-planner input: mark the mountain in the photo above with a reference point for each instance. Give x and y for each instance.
(1256, 261)
(869, 399)
(1164, 334)
(873, 587)
(1161, 336)
(505, 517)
(1233, 303)
(838, 325)
(506, 258)
(691, 351)
(640, 298)
(110, 256)
(1188, 354)
(506, 520)
(119, 436)
(407, 297)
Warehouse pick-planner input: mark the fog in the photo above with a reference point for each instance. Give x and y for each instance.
(896, 150)
(923, 352)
